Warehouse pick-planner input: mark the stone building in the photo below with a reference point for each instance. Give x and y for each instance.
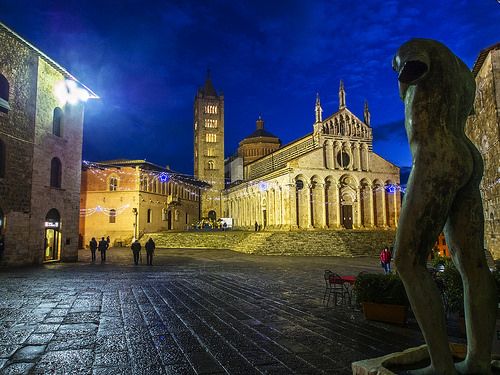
(41, 126)
(483, 128)
(209, 146)
(329, 178)
(128, 198)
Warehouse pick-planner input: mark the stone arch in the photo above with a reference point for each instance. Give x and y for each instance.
(302, 207)
(391, 192)
(366, 202)
(317, 202)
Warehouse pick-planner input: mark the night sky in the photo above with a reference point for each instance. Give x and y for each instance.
(146, 59)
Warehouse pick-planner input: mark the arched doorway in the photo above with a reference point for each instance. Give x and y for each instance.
(169, 220)
(212, 215)
(52, 242)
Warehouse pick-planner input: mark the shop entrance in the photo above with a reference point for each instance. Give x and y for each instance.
(52, 242)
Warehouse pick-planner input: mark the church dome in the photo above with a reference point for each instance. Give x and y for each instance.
(259, 133)
(258, 144)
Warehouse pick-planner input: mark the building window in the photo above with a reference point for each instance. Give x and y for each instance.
(55, 173)
(2, 159)
(210, 151)
(211, 109)
(210, 123)
(56, 121)
(150, 215)
(211, 164)
(112, 216)
(113, 184)
(211, 138)
(343, 159)
(4, 94)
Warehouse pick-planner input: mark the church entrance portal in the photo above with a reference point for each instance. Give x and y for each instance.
(52, 243)
(169, 220)
(212, 215)
(347, 216)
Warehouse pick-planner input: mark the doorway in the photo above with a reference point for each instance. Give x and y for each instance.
(169, 220)
(264, 217)
(347, 216)
(52, 240)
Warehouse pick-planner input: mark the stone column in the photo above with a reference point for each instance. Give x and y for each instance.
(396, 194)
(329, 155)
(338, 205)
(319, 205)
(358, 214)
(384, 209)
(372, 206)
(357, 155)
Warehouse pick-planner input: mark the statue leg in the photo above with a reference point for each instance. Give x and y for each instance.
(422, 217)
(464, 235)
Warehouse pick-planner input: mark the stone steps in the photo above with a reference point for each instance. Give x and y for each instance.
(350, 243)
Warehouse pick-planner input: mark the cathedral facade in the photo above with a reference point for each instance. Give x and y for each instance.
(329, 178)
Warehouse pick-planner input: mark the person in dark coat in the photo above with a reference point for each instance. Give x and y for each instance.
(150, 249)
(93, 247)
(256, 226)
(108, 240)
(102, 247)
(136, 249)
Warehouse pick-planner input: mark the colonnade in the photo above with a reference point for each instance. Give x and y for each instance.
(316, 203)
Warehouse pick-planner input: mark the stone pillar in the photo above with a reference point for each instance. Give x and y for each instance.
(359, 224)
(336, 150)
(319, 205)
(384, 209)
(357, 152)
(372, 206)
(338, 205)
(329, 155)
(396, 195)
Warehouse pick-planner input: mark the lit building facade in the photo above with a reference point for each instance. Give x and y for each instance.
(329, 178)
(483, 128)
(124, 199)
(41, 126)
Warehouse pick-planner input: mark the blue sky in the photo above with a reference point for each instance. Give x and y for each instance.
(146, 60)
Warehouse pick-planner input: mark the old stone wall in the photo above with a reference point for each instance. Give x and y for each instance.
(19, 67)
(483, 128)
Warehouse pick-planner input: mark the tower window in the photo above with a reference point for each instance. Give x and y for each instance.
(113, 184)
(210, 151)
(211, 138)
(211, 164)
(55, 173)
(112, 216)
(210, 123)
(4, 94)
(150, 215)
(56, 121)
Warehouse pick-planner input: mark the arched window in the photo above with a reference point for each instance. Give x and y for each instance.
(112, 215)
(150, 215)
(56, 121)
(113, 183)
(4, 94)
(211, 164)
(55, 173)
(2, 159)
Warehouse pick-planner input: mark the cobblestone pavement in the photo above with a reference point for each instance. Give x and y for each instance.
(193, 312)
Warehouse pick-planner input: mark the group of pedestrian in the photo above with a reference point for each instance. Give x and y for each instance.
(102, 246)
(150, 249)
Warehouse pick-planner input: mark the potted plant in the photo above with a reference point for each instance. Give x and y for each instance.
(383, 297)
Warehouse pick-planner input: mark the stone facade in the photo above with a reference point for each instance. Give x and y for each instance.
(330, 178)
(39, 196)
(483, 128)
(209, 146)
(124, 199)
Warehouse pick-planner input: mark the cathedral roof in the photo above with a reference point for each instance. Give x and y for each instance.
(482, 56)
(208, 89)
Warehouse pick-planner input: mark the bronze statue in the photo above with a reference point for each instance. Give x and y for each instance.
(443, 192)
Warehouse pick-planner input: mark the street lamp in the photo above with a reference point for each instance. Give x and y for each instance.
(134, 211)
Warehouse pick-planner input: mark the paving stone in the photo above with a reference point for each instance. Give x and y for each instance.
(196, 311)
(17, 369)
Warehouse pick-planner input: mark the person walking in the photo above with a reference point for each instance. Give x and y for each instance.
(136, 250)
(93, 247)
(102, 247)
(385, 260)
(150, 249)
(256, 226)
(108, 240)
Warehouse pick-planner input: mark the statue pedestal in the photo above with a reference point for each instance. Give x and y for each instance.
(412, 358)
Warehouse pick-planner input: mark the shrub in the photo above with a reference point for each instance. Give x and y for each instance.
(380, 288)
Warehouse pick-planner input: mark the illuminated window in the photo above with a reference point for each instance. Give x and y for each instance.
(210, 151)
(56, 121)
(55, 173)
(212, 109)
(112, 216)
(211, 164)
(2, 160)
(4, 94)
(113, 183)
(210, 123)
(211, 138)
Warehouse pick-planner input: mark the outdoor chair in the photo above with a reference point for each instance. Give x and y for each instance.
(335, 287)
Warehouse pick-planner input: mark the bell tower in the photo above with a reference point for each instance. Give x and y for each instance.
(209, 146)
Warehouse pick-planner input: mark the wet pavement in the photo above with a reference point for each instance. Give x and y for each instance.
(192, 312)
